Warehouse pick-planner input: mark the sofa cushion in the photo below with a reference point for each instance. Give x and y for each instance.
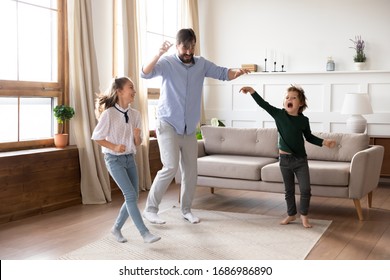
(232, 166)
(347, 145)
(240, 141)
(328, 173)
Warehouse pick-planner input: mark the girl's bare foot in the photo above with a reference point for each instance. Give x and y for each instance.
(305, 221)
(287, 220)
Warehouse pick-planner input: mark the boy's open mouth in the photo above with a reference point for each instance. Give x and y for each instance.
(289, 105)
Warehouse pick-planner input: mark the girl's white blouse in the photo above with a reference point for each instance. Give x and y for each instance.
(113, 128)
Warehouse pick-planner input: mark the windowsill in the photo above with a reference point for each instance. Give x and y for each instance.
(34, 151)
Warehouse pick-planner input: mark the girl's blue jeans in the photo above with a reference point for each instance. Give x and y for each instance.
(290, 165)
(124, 172)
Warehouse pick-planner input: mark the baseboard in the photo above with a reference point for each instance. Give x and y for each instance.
(384, 180)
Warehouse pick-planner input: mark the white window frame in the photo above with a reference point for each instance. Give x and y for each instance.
(153, 85)
(56, 90)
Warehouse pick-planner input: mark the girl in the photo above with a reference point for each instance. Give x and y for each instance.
(119, 132)
(292, 125)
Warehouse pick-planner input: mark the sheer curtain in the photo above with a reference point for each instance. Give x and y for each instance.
(83, 84)
(132, 68)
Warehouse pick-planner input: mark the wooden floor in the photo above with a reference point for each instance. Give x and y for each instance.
(51, 235)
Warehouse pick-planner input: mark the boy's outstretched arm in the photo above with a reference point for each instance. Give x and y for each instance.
(260, 101)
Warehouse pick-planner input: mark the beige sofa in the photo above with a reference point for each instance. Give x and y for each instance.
(247, 159)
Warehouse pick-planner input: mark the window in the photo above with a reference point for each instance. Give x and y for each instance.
(159, 21)
(31, 71)
(159, 27)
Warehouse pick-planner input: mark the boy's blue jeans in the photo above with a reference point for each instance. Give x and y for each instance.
(124, 172)
(290, 165)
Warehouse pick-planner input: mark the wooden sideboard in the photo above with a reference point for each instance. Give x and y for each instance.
(42, 180)
(385, 142)
(38, 181)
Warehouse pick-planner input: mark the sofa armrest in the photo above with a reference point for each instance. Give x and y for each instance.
(365, 171)
(201, 149)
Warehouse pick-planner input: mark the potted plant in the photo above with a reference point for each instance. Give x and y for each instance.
(216, 122)
(360, 56)
(62, 113)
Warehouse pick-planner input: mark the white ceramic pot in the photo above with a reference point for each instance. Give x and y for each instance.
(360, 65)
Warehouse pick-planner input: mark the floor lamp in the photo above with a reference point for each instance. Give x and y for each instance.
(356, 105)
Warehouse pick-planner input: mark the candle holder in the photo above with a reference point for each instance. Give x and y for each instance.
(282, 68)
(274, 67)
(265, 65)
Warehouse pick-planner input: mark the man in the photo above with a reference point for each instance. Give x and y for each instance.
(177, 117)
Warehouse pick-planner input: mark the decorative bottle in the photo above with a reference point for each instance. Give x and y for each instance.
(330, 64)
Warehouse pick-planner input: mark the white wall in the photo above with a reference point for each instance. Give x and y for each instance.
(307, 32)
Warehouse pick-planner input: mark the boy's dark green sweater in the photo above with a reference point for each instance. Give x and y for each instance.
(291, 128)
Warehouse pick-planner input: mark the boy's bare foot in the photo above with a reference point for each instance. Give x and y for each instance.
(305, 221)
(287, 220)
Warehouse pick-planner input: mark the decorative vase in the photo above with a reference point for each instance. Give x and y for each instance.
(360, 65)
(330, 66)
(60, 140)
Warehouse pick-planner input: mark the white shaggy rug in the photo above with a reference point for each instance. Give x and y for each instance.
(219, 236)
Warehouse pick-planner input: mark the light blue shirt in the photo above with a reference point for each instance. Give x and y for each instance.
(181, 89)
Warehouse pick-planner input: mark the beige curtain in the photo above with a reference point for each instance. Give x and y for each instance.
(84, 83)
(131, 48)
(190, 19)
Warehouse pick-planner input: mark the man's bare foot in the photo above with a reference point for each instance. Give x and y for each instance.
(305, 221)
(287, 220)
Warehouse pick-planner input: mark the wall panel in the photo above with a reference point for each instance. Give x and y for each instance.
(325, 92)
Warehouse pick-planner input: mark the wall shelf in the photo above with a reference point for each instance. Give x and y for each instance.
(322, 72)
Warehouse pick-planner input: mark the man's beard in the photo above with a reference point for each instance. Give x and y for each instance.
(186, 58)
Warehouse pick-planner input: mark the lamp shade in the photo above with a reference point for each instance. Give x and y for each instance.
(356, 104)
